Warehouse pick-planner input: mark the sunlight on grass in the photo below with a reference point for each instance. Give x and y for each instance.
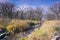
(46, 31)
(12, 24)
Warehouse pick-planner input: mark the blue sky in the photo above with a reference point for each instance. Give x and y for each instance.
(34, 2)
(45, 4)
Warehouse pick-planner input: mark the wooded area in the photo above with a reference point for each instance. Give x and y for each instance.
(11, 11)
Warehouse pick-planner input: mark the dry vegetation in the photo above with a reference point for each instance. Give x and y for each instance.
(10, 25)
(46, 31)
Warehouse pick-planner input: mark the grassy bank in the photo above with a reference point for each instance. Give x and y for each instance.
(46, 31)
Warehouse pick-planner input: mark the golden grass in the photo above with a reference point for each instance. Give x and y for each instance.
(21, 23)
(26, 20)
(24, 38)
(11, 24)
(9, 21)
(17, 23)
(46, 31)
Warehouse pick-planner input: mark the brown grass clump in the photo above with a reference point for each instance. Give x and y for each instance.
(17, 23)
(21, 24)
(46, 31)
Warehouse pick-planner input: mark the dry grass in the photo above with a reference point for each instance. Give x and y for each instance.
(17, 23)
(26, 20)
(10, 21)
(46, 31)
(11, 24)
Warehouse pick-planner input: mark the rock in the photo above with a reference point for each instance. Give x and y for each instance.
(56, 38)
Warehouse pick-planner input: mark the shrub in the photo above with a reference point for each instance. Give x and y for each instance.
(57, 28)
(16, 30)
(31, 23)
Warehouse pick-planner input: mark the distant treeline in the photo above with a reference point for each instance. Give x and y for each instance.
(11, 11)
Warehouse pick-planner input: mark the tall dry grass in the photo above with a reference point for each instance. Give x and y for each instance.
(46, 31)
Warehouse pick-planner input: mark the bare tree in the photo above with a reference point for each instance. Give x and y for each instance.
(16, 14)
(34, 14)
(22, 12)
(55, 8)
(31, 13)
(6, 9)
(50, 16)
(39, 13)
